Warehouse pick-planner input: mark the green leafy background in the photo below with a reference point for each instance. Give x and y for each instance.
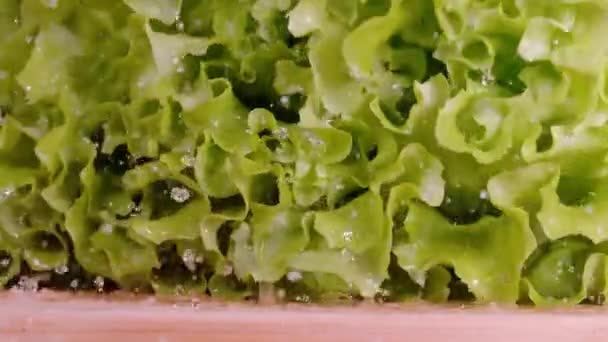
(328, 150)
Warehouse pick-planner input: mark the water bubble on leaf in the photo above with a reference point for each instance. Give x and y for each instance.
(302, 298)
(284, 100)
(281, 133)
(228, 269)
(5, 262)
(180, 290)
(294, 276)
(63, 269)
(188, 160)
(189, 259)
(281, 294)
(6, 192)
(348, 236)
(313, 139)
(106, 228)
(31, 283)
(99, 283)
(180, 195)
(487, 78)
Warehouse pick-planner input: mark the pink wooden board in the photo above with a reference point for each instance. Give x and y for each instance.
(63, 317)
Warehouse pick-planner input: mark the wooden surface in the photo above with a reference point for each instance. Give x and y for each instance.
(57, 317)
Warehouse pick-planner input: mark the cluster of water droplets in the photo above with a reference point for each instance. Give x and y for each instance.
(180, 194)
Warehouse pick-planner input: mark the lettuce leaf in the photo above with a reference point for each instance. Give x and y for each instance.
(307, 149)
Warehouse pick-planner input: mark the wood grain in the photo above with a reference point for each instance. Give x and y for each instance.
(61, 317)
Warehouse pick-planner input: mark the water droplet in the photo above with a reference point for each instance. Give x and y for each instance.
(347, 236)
(180, 290)
(281, 133)
(487, 78)
(5, 262)
(385, 292)
(99, 282)
(189, 258)
(281, 293)
(483, 194)
(63, 269)
(302, 298)
(284, 100)
(74, 283)
(29, 39)
(294, 276)
(31, 284)
(313, 139)
(281, 220)
(228, 269)
(571, 268)
(106, 228)
(180, 195)
(52, 3)
(6, 192)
